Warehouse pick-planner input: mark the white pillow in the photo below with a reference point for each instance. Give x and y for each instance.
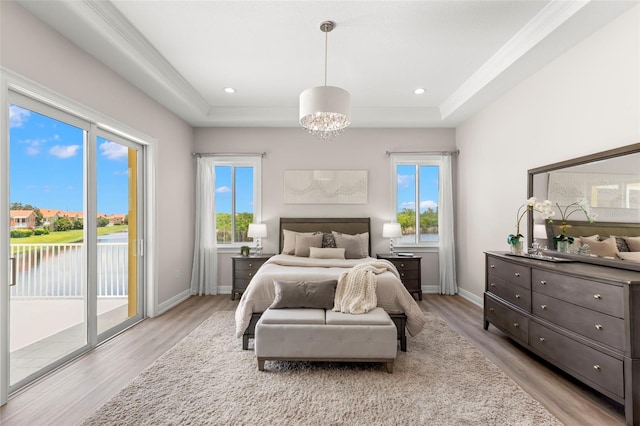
(604, 248)
(326, 253)
(289, 240)
(633, 243)
(305, 242)
(356, 246)
(631, 256)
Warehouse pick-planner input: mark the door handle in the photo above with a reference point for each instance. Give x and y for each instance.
(13, 271)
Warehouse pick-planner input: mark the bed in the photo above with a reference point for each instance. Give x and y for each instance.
(391, 294)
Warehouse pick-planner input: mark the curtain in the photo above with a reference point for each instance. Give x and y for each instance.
(447, 255)
(204, 274)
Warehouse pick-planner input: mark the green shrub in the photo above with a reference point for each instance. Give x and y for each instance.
(21, 233)
(41, 231)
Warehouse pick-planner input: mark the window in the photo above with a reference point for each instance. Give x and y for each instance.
(416, 195)
(237, 197)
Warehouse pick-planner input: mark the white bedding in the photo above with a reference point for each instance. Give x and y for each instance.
(392, 296)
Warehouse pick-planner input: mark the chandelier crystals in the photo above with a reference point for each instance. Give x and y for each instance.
(325, 111)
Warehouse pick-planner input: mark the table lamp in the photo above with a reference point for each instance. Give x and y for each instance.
(257, 231)
(391, 230)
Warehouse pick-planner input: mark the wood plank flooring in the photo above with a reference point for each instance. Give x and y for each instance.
(75, 391)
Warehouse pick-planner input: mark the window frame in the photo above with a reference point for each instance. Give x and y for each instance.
(416, 160)
(254, 161)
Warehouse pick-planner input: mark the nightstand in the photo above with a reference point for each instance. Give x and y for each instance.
(244, 268)
(410, 271)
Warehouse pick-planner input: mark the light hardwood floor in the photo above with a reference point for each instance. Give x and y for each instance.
(75, 391)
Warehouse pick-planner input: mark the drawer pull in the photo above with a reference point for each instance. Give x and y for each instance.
(516, 325)
(491, 309)
(543, 306)
(517, 274)
(542, 339)
(250, 273)
(402, 274)
(492, 285)
(517, 296)
(543, 282)
(599, 327)
(597, 296)
(597, 367)
(250, 265)
(492, 266)
(402, 265)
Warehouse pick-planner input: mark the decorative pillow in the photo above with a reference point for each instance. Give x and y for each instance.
(621, 244)
(289, 240)
(353, 244)
(328, 240)
(304, 242)
(604, 248)
(304, 294)
(631, 256)
(633, 243)
(326, 253)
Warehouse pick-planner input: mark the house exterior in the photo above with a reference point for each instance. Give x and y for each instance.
(49, 217)
(22, 219)
(116, 219)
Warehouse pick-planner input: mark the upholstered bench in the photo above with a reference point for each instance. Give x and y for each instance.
(324, 335)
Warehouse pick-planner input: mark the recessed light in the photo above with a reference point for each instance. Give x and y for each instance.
(419, 91)
(229, 90)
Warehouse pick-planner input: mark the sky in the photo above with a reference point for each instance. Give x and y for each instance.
(244, 189)
(428, 197)
(46, 165)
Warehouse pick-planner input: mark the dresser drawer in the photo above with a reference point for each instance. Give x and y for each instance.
(587, 362)
(411, 285)
(249, 263)
(240, 284)
(507, 319)
(511, 272)
(594, 325)
(407, 265)
(515, 294)
(409, 275)
(605, 298)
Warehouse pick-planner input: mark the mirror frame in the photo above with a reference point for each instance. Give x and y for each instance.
(604, 155)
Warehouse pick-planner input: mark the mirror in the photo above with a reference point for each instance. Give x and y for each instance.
(605, 185)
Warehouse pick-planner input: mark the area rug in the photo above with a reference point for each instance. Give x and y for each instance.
(207, 379)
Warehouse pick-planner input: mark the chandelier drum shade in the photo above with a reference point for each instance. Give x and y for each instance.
(325, 111)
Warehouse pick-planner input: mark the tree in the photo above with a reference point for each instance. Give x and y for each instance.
(62, 224)
(77, 223)
(39, 218)
(102, 222)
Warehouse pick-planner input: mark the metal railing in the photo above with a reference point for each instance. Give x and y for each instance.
(57, 270)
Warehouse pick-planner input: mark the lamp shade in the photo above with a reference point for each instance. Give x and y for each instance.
(539, 231)
(257, 230)
(391, 230)
(325, 109)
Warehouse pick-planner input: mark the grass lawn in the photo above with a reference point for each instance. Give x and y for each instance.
(61, 237)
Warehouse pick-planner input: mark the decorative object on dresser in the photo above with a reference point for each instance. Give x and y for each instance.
(585, 319)
(410, 271)
(257, 231)
(244, 268)
(514, 240)
(391, 230)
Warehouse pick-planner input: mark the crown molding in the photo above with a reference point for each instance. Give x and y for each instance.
(552, 16)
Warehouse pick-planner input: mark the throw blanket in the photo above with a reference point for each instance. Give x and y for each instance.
(356, 290)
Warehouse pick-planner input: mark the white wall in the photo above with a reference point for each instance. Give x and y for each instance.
(586, 101)
(33, 50)
(357, 149)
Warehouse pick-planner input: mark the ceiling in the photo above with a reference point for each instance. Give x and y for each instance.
(464, 53)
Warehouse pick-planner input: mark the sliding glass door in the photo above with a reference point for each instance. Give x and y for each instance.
(75, 221)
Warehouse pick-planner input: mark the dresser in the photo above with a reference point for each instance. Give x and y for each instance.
(583, 318)
(410, 272)
(244, 268)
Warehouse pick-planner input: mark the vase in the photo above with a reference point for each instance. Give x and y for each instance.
(563, 246)
(516, 248)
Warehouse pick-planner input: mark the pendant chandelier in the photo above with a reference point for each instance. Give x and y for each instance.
(325, 111)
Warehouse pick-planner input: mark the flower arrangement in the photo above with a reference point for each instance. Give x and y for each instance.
(580, 205)
(530, 205)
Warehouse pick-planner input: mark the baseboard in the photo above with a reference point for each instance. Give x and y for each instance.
(224, 289)
(430, 289)
(175, 300)
(476, 300)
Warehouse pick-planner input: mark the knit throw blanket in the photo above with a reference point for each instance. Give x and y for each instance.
(356, 289)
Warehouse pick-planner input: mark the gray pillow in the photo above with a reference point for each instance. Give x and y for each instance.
(354, 245)
(305, 242)
(304, 294)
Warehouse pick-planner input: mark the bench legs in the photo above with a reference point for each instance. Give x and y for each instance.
(388, 364)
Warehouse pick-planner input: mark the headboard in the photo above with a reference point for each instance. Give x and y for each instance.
(586, 229)
(346, 225)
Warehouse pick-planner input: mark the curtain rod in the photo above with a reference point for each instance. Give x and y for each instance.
(228, 154)
(456, 152)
